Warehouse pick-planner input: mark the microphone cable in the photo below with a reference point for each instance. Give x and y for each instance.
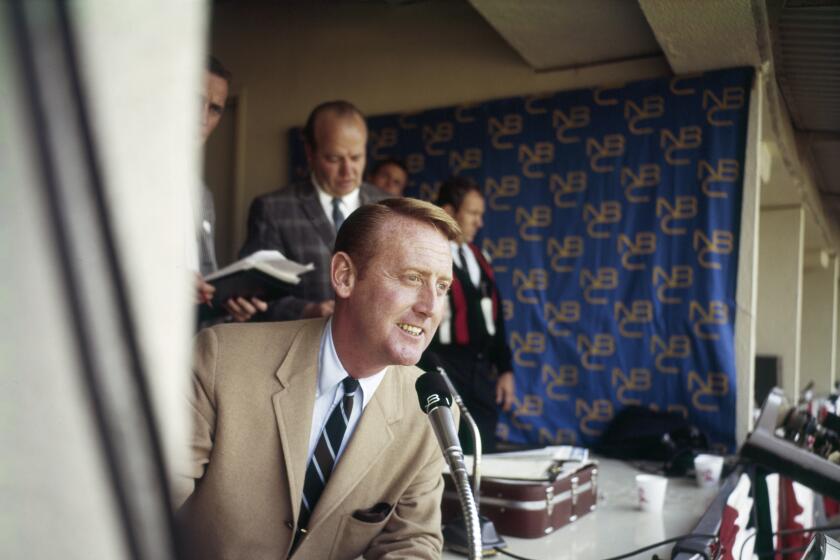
(628, 554)
(701, 536)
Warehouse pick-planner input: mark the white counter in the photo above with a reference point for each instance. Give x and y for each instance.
(617, 525)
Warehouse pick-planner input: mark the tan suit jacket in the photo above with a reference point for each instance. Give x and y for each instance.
(254, 391)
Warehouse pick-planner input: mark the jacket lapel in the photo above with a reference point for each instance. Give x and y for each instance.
(370, 440)
(293, 404)
(313, 210)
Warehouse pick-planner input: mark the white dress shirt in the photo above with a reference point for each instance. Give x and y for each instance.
(329, 392)
(473, 267)
(349, 202)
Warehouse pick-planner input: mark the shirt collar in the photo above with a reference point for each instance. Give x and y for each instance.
(331, 372)
(453, 248)
(350, 201)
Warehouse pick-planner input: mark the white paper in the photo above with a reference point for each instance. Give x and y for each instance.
(271, 262)
(528, 465)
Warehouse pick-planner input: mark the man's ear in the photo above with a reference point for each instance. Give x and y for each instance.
(342, 275)
(449, 209)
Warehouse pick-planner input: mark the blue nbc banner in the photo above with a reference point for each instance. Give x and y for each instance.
(612, 222)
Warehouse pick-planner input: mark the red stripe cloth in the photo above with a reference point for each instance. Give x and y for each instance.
(462, 334)
(488, 270)
(789, 508)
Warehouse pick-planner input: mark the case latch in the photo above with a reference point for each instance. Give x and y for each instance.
(575, 482)
(549, 499)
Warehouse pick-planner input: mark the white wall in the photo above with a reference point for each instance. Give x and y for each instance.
(836, 366)
(819, 316)
(779, 315)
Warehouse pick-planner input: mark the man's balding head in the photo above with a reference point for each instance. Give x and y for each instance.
(335, 138)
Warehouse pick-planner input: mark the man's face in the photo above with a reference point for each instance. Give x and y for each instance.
(338, 161)
(213, 103)
(397, 301)
(390, 178)
(470, 215)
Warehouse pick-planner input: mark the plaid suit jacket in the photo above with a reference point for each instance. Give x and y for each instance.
(292, 221)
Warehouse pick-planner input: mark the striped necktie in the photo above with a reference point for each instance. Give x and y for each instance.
(323, 460)
(338, 215)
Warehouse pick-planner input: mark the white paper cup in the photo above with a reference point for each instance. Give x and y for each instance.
(707, 469)
(651, 491)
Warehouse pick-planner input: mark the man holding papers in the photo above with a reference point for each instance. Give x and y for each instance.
(266, 275)
(307, 440)
(302, 219)
(216, 84)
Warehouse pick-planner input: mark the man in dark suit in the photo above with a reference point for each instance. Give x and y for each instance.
(471, 343)
(301, 220)
(262, 482)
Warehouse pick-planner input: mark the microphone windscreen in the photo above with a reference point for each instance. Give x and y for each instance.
(432, 391)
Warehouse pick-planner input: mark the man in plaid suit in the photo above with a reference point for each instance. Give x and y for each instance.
(300, 220)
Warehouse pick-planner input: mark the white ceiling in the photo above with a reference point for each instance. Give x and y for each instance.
(694, 35)
(558, 34)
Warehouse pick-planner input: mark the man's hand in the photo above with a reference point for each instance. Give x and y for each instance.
(242, 309)
(505, 390)
(203, 290)
(318, 309)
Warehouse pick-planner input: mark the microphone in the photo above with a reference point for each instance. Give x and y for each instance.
(435, 401)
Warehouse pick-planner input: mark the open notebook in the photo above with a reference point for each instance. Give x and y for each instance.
(266, 275)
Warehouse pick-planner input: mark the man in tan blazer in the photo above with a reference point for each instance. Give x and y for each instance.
(256, 411)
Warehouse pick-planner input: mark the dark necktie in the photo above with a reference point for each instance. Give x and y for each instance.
(323, 460)
(338, 215)
(463, 258)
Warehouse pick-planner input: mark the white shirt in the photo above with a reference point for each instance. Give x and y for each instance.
(329, 392)
(349, 202)
(473, 268)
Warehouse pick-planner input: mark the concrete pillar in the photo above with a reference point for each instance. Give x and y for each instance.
(819, 321)
(755, 160)
(779, 314)
(835, 320)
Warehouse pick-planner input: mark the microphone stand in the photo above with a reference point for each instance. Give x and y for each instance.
(455, 533)
(471, 544)
(465, 414)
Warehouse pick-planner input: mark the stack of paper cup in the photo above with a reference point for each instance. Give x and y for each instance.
(651, 490)
(707, 469)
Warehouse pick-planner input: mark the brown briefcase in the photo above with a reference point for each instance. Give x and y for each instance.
(531, 508)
